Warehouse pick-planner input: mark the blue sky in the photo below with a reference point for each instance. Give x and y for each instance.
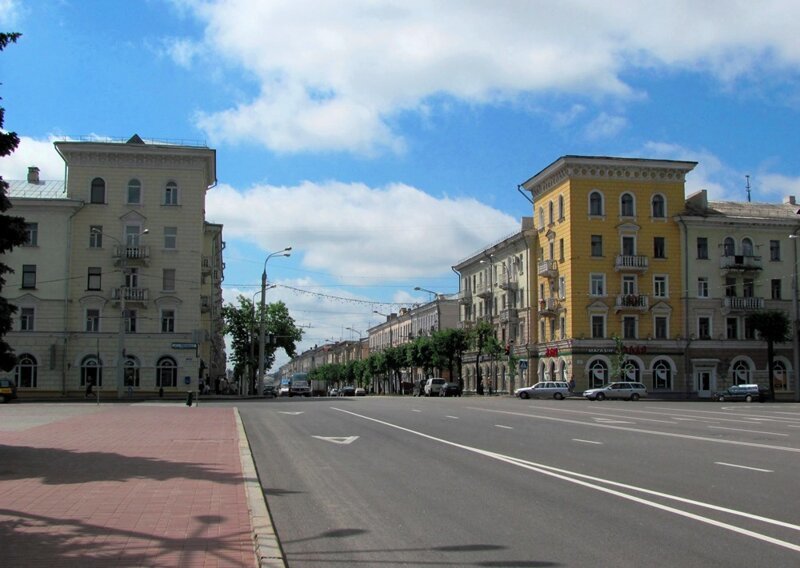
(384, 141)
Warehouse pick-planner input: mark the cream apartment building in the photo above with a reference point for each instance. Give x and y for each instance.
(119, 285)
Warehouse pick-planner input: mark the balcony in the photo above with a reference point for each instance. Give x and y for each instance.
(131, 255)
(508, 283)
(483, 290)
(740, 263)
(465, 297)
(631, 263)
(549, 307)
(632, 303)
(509, 315)
(742, 304)
(547, 269)
(138, 296)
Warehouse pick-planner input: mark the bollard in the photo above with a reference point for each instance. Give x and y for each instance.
(189, 398)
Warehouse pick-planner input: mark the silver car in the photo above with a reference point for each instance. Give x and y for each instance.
(622, 390)
(545, 389)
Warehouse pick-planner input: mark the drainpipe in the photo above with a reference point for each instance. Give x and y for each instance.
(686, 354)
(66, 295)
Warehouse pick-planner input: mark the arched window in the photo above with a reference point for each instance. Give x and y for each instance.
(747, 246)
(551, 373)
(171, 193)
(779, 376)
(662, 375)
(728, 247)
(659, 211)
(598, 373)
(550, 212)
(26, 371)
(595, 203)
(98, 191)
(562, 371)
(131, 371)
(91, 370)
(134, 191)
(741, 373)
(560, 207)
(632, 372)
(626, 207)
(166, 373)
(541, 217)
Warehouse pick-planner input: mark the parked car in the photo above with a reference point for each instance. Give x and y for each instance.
(8, 389)
(622, 390)
(361, 392)
(270, 391)
(433, 386)
(545, 389)
(333, 392)
(747, 393)
(348, 390)
(450, 389)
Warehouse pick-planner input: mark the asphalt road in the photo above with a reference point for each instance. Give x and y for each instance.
(504, 482)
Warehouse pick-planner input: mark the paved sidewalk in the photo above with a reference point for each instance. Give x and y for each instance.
(125, 485)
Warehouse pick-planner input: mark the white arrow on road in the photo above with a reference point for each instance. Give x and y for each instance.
(338, 440)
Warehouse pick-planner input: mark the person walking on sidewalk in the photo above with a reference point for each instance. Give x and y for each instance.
(89, 384)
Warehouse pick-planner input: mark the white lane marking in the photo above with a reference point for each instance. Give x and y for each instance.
(453, 417)
(612, 421)
(344, 440)
(685, 419)
(501, 426)
(591, 483)
(290, 413)
(642, 431)
(750, 431)
(745, 467)
(587, 441)
(415, 410)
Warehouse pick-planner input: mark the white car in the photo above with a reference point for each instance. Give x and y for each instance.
(621, 390)
(433, 386)
(545, 389)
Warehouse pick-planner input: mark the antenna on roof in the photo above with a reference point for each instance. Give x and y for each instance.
(747, 186)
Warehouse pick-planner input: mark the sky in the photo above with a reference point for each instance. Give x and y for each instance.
(384, 141)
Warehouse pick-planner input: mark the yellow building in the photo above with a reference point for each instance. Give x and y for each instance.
(608, 266)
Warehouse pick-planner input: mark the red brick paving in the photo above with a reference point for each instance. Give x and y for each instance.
(125, 486)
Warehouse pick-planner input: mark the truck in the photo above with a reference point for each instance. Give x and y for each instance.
(295, 384)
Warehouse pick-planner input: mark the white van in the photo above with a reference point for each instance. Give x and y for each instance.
(433, 386)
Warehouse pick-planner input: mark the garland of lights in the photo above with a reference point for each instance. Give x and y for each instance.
(348, 300)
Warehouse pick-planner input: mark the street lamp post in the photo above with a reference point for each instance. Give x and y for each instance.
(262, 325)
(359, 341)
(431, 292)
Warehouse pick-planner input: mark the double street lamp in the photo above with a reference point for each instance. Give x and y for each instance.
(262, 324)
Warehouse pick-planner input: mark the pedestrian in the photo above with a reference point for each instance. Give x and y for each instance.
(571, 384)
(89, 383)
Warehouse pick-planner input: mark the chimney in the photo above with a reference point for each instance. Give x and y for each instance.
(33, 174)
(789, 200)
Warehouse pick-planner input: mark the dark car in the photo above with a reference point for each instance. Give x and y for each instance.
(348, 390)
(8, 389)
(270, 391)
(450, 389)
(747, 393)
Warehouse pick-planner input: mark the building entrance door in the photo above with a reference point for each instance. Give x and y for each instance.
(704, 382)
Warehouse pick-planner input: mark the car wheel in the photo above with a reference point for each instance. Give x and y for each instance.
(524, 395)
(600, 396)
(748, 398)
(558, 396)
(635, 396)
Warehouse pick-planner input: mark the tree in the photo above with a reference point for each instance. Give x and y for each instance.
(618, 362)
(449, 345)
(12, 230)
(483, 340)
(774, 327)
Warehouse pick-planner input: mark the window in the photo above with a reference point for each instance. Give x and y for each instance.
(632, 373)
(598, 371)
(95, 236)
(31, 235)
(702, 247)
(659, 211)
(598, 326)
(171, 193)
(562, 327)
(774, 250)
(168, 280)
(94, 278)
(91, 371)
(98, 191)
(595, 203)
(561, 249)
(702, 287)
(704, 327)
(541, 217)
(728, 247)
(562, 287)
(597, 284)
(131, 372)
(550, 213)
(629, 285)
(730, 287)
(659, 247)
(170, 237)
(29, 276)
(130, 321)
(597, 245)
(747, 247)
(661, 327)
(626, 207)
(560, 207)
(134, 191)
(748, 288)
(628, 246)
(660, 289)
(732, 328)
(780, 376)
(741, 373)
(93, 321)
(775, 285)
(662, 375)
(26, 319)
(629, 327)
(132, 279)
(749, 330)
(166, 373)
(26, 372)
(133, 234)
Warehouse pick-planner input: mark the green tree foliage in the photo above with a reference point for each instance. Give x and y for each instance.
(449, 346)
(483, 340)
(774, 327)
(12, 229)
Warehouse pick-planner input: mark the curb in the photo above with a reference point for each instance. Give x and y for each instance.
(267, 548)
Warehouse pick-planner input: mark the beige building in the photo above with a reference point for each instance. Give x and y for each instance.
(121, 285)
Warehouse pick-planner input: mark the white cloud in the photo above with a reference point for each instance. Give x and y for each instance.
(355, 231)
(32, 152)
(334, 75)
(10, 13)
(605, 126)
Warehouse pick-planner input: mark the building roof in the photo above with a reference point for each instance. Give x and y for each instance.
(697, 205)
(52, 189)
